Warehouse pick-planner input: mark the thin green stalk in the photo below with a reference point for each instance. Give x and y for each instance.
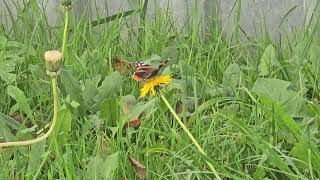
(194, 141)
(238, 21)
(65, 32)
(54, 121)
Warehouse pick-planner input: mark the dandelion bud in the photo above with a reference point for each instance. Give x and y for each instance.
(67, 4)
(52, 60)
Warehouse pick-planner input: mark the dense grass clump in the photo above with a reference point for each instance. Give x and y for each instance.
(252, 107)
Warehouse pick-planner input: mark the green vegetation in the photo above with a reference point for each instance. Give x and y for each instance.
(252, 107)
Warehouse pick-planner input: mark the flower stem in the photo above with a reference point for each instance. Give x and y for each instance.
(53, 124)
(65, 32)
(194, 141)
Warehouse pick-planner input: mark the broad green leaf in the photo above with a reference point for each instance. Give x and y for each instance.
(110, 111)
(214, 90)
(294, 103)
(154, 60)
(65, 121)
(21, 99)
(35, 158)
(127, 103)
(267, 61)
(63, 127)
(232, 75)
(12, 123)
(38, 71)
(301, 151)
(186, 69)
(102, 168)
(71, 85)
(30, 51)
(284, 117)
(110, 165)
(277, 90)
(7, 66)
(188, 84)
(16, 59)
(142, 107)
(5, 132)
(180, 84)
(124, 100)
(171, 53)
(274, 88)
(109, 87)
(299, 80)
(8, 77)
(90, 91)
(94, 61)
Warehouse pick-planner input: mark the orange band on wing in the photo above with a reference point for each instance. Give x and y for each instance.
(137, 78)
(143, 68)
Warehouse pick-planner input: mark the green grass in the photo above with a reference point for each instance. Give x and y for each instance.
(252, 106)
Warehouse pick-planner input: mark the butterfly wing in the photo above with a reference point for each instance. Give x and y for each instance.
(146, 71)
(144, 75)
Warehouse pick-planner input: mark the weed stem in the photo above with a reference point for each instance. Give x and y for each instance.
(65, 32)
(54, 120)
(194, 141)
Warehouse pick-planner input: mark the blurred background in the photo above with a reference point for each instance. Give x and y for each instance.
(276, 17)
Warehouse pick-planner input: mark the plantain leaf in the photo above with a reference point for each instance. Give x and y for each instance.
(102, 168)
(35, 157)
(109, 87)
(71, 85)
(170, 53)
(274, 88)
(12, 123)
(90, 91)
(267, 61)
(5, 132)
(110, 111)
(6, 67)
(231, 77)
(21, 99)
(278, 91)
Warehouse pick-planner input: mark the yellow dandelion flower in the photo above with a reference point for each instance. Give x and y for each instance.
(152, 85)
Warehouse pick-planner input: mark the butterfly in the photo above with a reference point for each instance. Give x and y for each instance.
(146, 71)
(143, 71)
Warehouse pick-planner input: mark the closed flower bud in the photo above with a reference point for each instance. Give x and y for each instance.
(67, 4)
(52, 60)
